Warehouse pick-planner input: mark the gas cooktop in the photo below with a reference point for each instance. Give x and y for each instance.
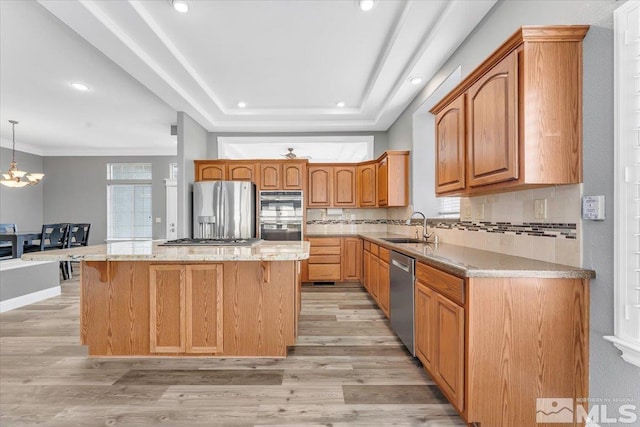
(211, 242)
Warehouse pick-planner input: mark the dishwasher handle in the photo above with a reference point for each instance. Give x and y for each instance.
(403, 267)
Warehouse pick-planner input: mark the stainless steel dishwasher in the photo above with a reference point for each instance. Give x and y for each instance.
(401, 272)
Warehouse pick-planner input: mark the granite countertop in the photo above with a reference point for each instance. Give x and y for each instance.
(463, 261)
(152, 251)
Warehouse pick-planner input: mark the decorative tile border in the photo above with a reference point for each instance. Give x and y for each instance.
(536, 229)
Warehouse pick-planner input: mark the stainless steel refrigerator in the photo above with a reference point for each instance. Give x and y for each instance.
(224, 210)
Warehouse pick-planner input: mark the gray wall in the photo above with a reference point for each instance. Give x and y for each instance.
(22, 206)
(192, 145)
(380, 140)
(75, 190)
(610, 376)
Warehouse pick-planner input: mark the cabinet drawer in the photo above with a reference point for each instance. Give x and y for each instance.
(367, 245)
(324, 250)
(324, 241)
(383, 254)
(324, 259)
(320, 272)
(374, 249)
(444, 283)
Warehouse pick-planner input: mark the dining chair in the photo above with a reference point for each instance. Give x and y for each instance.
(54, 236)
(5, 247)
(78, 236)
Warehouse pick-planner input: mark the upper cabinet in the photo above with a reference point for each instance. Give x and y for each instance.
(450, 148)
(393, 179)
(366, 185)
(382, 182)
(320, 193)
(344, 181)
(516, 120)
(207, 170)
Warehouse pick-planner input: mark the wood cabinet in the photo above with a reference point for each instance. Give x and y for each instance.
(492, 117)
(320, 186)
(522, 114)
(344, 186)
(352, 259)
(366, 185)
(424, 314)
(383, 281)
(393, 179)
(450, 147)
(186, 308)
(243, 171)
(145, 309)
(207, 170)
(293, 175)
(376, 274)
(334, 259)
(325, 259)
(270, 176)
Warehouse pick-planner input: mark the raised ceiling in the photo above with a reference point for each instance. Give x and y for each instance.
(290, 61)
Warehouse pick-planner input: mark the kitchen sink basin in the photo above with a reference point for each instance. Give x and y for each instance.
(403, 240)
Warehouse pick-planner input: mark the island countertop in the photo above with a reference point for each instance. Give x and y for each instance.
(148, 250)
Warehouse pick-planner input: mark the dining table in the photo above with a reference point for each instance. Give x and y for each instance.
(18, 239)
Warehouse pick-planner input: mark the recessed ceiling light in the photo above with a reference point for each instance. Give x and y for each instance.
(415, 80)
(242, 104)
(365, 5)
(340, 104)
(80, 86)
(180, 5)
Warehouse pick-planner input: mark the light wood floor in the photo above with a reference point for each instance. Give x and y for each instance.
(348, 369)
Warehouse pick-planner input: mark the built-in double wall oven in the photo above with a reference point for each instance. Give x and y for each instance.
(281, 215)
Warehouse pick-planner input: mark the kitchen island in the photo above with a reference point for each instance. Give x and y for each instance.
(143, 299)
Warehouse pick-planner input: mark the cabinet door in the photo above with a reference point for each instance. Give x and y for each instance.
(293, 176)
(366, 267)
(450, 349)
(492, 143)
(320, 186)
(211, 172)
(167, 309)
(383, 286)
(367, 185)
(373, 286)
(424, 325)
(344, 186)
(352, 259)
(242, 172)
(270, 176)
(204, 308)
(383, 182)
(450, 146)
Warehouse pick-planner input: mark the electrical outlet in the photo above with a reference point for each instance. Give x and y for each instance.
(466, 212)
(158, 220)
(540, 209)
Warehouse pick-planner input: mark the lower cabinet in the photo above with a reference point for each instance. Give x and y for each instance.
(383, 280)
(334, 259)
(376, 274)
(186, 308)
(439, 331)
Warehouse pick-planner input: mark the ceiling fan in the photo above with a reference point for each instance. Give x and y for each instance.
(293, 156)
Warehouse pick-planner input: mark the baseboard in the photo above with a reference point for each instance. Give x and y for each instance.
(27, 299)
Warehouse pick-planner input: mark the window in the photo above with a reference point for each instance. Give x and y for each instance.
(627, 182)
(449, 207)
(129, 214)
(318, 149)
(173, 171)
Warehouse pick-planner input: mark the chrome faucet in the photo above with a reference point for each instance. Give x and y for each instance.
(426, 236)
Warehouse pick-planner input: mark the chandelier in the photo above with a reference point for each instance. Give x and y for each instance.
(14, 177)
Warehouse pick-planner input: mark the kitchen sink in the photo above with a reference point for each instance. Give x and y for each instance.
(402, 240)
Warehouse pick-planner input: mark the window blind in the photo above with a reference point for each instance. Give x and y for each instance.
(129, 191)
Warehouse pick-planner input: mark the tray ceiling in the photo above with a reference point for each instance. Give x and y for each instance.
(291, 62)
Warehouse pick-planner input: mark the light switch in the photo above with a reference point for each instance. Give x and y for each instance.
(158, 220)
(540, 209)
(593, 208)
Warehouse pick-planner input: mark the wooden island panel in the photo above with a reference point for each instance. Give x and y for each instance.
(258, 301)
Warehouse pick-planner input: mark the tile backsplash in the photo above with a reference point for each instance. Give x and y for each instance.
(504, 223)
